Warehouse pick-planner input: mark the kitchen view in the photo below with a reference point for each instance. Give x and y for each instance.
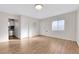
(11, 29)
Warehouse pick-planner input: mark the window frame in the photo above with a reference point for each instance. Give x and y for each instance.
(57, 28)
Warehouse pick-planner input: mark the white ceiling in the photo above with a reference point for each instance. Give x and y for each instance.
(29, 10)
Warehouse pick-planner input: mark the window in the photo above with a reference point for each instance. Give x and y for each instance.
(58, 25)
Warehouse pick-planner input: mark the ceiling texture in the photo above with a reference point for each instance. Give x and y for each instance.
(48, 10)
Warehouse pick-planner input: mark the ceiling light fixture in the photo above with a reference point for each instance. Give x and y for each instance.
(38, 6)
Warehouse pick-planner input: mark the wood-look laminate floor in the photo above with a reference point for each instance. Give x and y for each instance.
(39, 45)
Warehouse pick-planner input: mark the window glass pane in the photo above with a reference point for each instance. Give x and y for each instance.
(61, 25)
(54, 25)
(58, 25)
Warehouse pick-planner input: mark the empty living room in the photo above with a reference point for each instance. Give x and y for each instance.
(39, 28)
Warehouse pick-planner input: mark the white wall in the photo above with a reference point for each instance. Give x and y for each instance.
(70, 26)
(77, 27)
(4, 25)
(28, 24)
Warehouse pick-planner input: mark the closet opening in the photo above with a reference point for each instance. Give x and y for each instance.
(11, 29)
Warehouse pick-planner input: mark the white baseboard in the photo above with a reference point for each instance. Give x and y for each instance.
(59, 37)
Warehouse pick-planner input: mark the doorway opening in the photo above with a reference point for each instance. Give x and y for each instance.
(11, 29)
